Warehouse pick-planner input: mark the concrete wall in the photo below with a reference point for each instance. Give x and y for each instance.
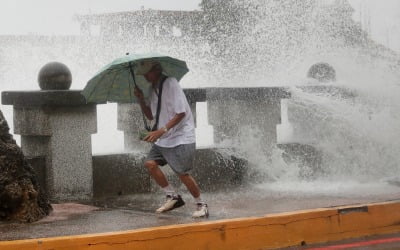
(121, 174)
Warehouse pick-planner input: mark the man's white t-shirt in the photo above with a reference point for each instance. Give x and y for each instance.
(173, 101)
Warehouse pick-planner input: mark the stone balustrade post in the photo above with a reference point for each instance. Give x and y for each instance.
(245, 114)
(302, 117)
(57, 123)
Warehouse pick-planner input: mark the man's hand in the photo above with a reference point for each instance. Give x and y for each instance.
(154, 135)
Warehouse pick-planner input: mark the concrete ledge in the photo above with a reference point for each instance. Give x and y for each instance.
(195, 95)
(246, 94)
(43, 97)
(270, 231)
(338, 91)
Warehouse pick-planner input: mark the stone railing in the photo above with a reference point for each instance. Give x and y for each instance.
(57, 126)
(229, 110)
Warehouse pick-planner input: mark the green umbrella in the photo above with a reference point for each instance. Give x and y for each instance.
(116, 81)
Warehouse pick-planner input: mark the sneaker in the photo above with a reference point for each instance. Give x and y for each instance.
(201, 211)
(172, 202)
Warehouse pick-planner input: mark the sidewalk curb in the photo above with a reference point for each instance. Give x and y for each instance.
(269, 231)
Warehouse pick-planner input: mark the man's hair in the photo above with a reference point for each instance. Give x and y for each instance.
(157, 67)
(146, 66)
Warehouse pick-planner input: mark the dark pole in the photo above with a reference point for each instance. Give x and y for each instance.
(147, 127)
(132, 74)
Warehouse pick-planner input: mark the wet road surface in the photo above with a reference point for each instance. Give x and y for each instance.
(137, 211)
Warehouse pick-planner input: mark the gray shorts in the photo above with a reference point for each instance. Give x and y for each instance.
(179, 158)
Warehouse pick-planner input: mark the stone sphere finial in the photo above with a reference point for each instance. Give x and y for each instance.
(322, 72)
(54, 76)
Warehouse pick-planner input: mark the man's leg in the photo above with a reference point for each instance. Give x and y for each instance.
(173, 200)
(156, 173)
(191, 184)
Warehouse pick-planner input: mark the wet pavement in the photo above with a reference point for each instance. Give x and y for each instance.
(137, 211)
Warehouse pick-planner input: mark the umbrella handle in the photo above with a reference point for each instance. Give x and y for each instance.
(147, 127)
(132, 74)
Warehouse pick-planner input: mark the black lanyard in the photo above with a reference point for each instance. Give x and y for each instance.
(159, 94)
(155, 127)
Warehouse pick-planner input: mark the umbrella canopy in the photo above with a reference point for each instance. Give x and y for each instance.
(116, 81)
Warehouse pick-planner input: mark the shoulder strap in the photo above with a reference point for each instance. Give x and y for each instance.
(155, 127)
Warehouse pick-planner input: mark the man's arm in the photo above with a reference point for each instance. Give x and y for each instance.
(153, 136)
(175, 120)
(146, 109)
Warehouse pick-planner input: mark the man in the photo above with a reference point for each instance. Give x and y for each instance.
(174, 137)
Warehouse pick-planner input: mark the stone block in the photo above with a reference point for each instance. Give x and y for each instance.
(36, 120)
(237, 113)
(119, 174)
(69, 159)
(216, 169)
(29, 99)
(193, 97)
(306, 157)
(34, 146)
(39, 167)
(306, 117)
(130, 121)
(58, 126)
(129, 117)
(31, 121)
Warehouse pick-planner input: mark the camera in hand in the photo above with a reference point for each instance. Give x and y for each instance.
(143, 134)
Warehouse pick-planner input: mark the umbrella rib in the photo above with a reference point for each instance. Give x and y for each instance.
(130, 90)
(116, 70)
(175, 63)
(95, 87)
(112, 85)
(103, 78)
(104, 73)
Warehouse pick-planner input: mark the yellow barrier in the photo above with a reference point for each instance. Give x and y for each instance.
(270, 231)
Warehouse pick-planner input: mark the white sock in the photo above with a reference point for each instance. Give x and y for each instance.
(169, 190)
(199, 200)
